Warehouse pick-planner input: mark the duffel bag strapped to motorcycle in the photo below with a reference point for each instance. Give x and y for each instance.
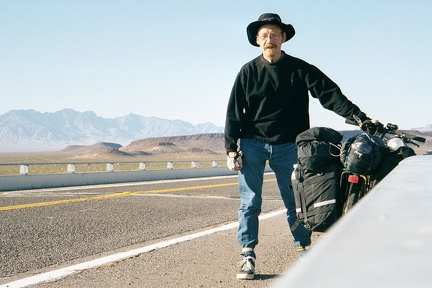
(315, 180)
(362, 154)
(317, 150)
(318, 201)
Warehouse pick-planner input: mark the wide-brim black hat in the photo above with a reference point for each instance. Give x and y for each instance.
(268, 18)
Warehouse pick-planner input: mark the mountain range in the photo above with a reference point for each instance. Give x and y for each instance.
(30, 130)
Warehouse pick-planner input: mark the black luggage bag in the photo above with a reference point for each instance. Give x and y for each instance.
(315, 180)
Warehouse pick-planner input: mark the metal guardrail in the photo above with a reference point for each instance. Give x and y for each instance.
(141, 165)
(25, 180)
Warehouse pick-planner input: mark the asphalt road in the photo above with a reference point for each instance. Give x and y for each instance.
(50, 229)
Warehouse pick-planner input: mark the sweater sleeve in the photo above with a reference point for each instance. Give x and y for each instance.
(331, 96)
(234, 115)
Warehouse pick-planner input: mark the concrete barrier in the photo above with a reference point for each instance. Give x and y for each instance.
(29, 181)
(22, 182)
(384, 241)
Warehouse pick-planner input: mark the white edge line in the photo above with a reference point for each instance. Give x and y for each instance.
(63, 272)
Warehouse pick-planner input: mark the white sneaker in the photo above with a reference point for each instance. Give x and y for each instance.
(246, 268)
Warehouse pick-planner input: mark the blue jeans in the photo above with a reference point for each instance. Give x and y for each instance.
(250, 181)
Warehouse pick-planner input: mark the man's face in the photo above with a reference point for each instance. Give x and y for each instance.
(270, 39)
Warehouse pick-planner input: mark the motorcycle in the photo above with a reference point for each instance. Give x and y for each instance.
(392, 146)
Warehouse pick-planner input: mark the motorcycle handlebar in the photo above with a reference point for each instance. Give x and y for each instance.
(409, 136)
(392, 129)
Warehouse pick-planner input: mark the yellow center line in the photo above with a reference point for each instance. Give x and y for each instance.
(116, 195)
(49, 203)
(185, 188)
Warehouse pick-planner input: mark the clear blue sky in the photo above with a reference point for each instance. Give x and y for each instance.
(178, 59)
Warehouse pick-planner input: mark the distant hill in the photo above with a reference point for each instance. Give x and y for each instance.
(189, 146)
(29, 130)
(424, 129)
(210, 143)
(200, 144)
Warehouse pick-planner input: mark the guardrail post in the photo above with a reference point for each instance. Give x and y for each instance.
(170, 165)
(110, 167)
(24, 170)
(142, 166)
(194, 164)
(214, 163)
(71, 168)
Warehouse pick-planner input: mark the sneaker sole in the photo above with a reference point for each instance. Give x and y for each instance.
(245, 276)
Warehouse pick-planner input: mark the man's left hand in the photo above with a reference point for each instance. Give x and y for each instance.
(372, 127)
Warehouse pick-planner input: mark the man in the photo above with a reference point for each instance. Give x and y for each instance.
(267, 109)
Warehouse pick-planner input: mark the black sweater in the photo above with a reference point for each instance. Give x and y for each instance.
(270, 101)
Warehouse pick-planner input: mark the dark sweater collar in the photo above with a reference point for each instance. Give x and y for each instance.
(284, 56)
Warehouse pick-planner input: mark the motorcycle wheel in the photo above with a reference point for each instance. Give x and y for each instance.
(352, 198)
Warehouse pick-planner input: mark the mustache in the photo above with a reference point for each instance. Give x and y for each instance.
(270, 46)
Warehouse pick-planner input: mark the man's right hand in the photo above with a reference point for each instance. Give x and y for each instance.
(234, 160)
